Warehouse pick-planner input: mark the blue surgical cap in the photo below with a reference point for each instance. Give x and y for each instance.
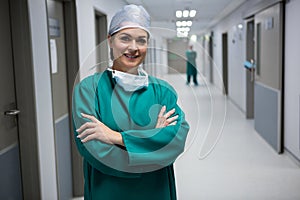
(130, 16)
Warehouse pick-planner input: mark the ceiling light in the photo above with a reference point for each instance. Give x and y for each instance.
(193, 13)
(185, 13)
(182, 34)
(178, 13)
(194, 38)
(178, 23)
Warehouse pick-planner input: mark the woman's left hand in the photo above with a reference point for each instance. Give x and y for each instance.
(96, 130)
(164, 119)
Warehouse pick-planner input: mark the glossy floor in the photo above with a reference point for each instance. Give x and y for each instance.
(225, 158)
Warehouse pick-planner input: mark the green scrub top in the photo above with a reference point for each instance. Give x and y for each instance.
(191, 62)
(143, 169)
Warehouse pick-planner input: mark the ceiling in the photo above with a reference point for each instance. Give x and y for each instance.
(209, 12)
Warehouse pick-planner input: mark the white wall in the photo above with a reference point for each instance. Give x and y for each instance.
(236, 54)
(292, 81)
(43, 98)
(161, 53)
(86, 28)
(86, 31)
(236, 73)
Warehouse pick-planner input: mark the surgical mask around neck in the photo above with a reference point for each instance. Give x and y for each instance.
(130, 82)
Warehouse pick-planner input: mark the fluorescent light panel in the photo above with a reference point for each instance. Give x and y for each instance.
(186, 13)
(183, 27)
(184, 23)
(178, 13)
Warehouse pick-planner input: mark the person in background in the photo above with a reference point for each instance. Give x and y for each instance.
(191, 67)
(128, 126)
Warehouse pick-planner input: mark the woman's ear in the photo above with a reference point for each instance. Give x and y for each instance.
(109, 41)
(109, 38)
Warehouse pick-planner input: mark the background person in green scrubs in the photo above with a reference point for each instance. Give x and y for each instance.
(191, 67)
(128, 125)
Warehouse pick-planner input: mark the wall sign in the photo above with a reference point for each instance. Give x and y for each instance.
(54, 27)
(53, 56)
(269, 23)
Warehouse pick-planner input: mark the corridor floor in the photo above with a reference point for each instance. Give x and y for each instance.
(225, 158)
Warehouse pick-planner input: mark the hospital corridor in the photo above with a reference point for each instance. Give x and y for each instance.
(239, 166)
(136, 99)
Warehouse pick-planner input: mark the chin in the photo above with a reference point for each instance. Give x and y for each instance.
(132, 64)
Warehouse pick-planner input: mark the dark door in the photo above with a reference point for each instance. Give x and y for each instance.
(225, 62)
(10, 181)
(250, 72)
(102, 59)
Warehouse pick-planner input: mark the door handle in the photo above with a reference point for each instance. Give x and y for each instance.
(12, 112)
(252, 69)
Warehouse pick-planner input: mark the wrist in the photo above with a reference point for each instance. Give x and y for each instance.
(117, 138)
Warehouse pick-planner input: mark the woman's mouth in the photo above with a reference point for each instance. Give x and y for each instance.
(131, 56)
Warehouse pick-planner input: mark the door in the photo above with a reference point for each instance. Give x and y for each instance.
(250, 71)
(10, 181)
(60, 97)
(268, 75)
(211, 58)
(176, 56)
(208, 57)
(225, 62)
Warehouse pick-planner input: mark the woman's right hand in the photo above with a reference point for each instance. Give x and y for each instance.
(165, 119)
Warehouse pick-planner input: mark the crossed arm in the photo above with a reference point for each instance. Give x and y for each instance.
(96, 130)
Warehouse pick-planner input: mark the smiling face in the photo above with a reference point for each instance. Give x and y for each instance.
(129, 47)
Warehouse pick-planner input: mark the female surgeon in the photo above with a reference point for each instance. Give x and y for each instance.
(128, 126)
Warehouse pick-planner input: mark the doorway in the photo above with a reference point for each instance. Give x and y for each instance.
(211, 58)
(225, 62)
(102, 59)
(176, 55)
(60, 97)
(250, 72)
(64, 68)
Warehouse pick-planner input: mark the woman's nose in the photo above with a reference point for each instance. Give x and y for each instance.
(133, 46)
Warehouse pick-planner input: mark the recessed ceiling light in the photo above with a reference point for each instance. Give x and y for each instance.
(185, 13)
(193, 13)
(178, 13)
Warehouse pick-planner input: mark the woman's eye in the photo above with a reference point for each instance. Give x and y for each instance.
(142, 41)
(125, 39)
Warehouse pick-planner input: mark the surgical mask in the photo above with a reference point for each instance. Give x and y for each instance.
(130, 82)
